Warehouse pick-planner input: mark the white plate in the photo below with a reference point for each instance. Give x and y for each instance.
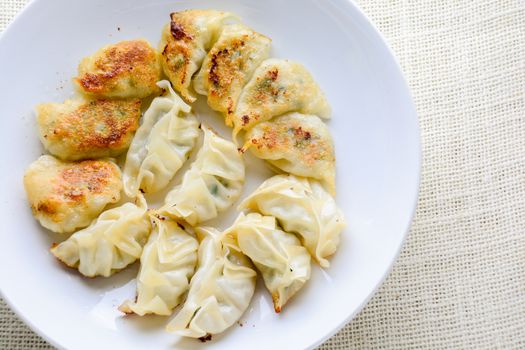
(378, 164)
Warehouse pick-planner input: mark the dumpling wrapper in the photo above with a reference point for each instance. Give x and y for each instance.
(65, 196)
(303, 207)
(277, 87)
(112, 242)
(278, 255)
(167, 263)
(229, 65)
(295, 143)
(126, 69)
(211, 185)
(185, 42)
(161, 145)
(220, 291)
(88, 129)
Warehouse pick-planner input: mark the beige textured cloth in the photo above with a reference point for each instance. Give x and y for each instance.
(460, 280)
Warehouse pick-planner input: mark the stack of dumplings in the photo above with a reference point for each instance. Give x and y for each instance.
(273, 105)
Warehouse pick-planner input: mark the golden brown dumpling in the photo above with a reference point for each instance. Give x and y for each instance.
(125, 69)
(185, 42)
(298, 144)
(83, 129)
(65, 196)
(229, 65)
(278, 86)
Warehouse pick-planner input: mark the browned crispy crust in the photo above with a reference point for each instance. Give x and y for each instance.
(133, 58)
(97, 125)
(74, 183)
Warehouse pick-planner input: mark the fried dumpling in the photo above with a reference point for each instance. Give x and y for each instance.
(277, 87)
(167, 263)
(185, 42)
(161, 145)
(211, 185)
(278, 255)
(303, 207)
(295, 143)
(220, 291)
(66, 196)
(112, 242)
(229, 65)
(87, 129)
(126, 69)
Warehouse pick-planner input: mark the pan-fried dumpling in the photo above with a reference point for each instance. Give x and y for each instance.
(66, 196)
(161, 145)
(184, 43)
(277, 87)
(125, 69)
(278, 255)
(87, 129)
(295, 143)
(166, 266)
(220, 290)
(212, 184)
(112, 242)
(303, 207)
(229, 65)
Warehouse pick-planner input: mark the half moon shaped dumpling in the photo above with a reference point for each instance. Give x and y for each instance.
(229, 65)
(185, 42)
(278, 86)
(112, 242)
(166, 266)
(123, 70)
(303, 207)
(220, 291)
(295, 143)
(211, 185)
(87, 129)
(278, 255)
(161, 145)
(65, 196)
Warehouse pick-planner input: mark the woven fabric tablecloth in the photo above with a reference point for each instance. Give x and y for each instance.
(460, 280)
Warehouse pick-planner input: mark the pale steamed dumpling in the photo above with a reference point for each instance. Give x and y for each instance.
(278, 86)
(161, 145)
(229, 65)
(295, 143)
(185, 42)
(112, 242)
(65, 196)
(166, 266)
(211, 185)
(220, 291)
(303, 207)
(278, 255)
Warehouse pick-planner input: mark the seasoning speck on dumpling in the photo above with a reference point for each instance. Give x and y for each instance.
(185, 42)
(65, 196)
(83, 129)
(125, 69)
(296, 143)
